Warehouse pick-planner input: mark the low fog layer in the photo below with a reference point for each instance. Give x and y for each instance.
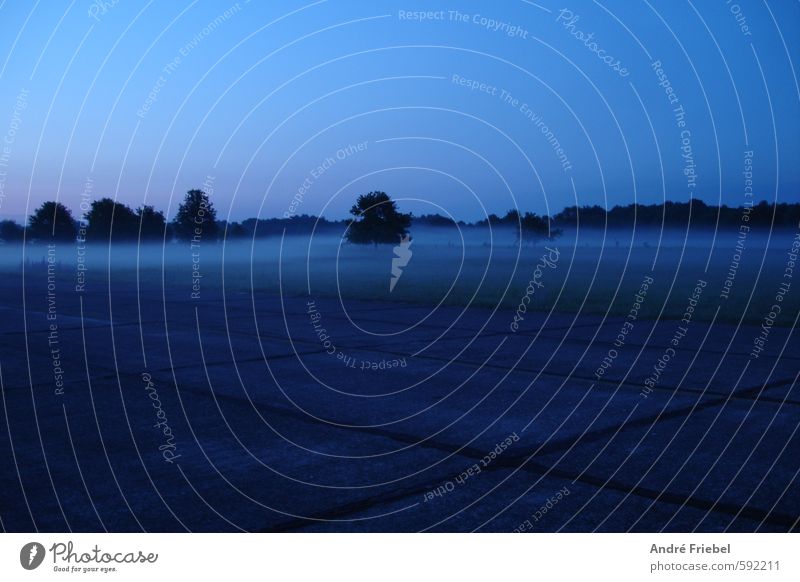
(474, 240)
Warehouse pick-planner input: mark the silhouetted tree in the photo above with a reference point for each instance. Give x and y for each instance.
(108, 219)
(533, 228)
(512, 217)
(152, 224)
(52, 220)
(433, 220)
(232, 229)
(196, 217)
(694, 213)
(11, 231)
(377, 220)
(491, 219)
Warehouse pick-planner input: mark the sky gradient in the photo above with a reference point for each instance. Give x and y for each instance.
(298, 107)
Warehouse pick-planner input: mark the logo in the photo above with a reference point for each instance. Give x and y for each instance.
(402, 254)
(31, 555)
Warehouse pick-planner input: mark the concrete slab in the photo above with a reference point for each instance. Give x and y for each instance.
(272, 428)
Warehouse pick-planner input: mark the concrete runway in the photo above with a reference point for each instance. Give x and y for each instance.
(162, 413)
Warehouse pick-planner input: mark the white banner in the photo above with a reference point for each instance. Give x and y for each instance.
(400, 557)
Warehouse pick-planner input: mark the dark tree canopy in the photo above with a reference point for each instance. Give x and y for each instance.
(533, 228)
(530, 227)
(52, 220)
(377, 220)
(108, 218)
(151, 222)
(493, 220)
(11, 231)
(694, 213)
(434, 220)
(196, 217)
(512, 217)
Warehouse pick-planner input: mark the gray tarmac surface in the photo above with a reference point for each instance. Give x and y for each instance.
(389, 427)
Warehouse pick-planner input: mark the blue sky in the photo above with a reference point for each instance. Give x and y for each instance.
(253, 98)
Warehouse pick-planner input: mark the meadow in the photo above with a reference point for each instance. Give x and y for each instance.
(597, 272)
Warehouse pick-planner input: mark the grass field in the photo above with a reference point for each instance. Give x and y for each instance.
(594, 273)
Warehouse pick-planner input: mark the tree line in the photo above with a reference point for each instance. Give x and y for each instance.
(375, 220)
(108, 220)
(681, 214)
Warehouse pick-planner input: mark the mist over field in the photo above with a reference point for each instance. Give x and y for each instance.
(598, 270)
